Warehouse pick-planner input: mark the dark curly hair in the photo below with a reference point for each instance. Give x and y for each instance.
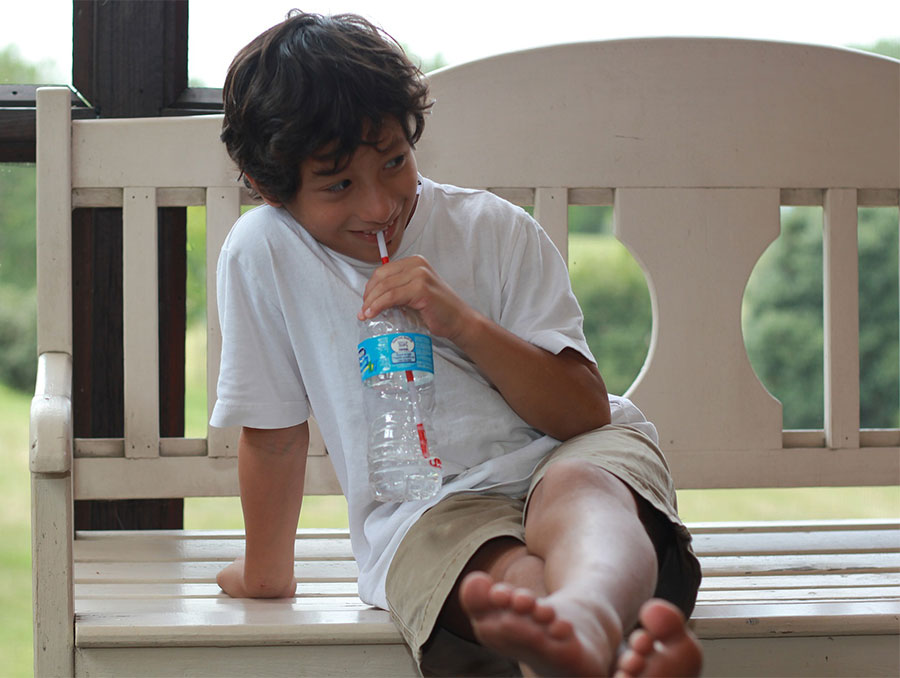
(317, 86)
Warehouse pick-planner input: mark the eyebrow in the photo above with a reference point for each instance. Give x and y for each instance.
(330, 170)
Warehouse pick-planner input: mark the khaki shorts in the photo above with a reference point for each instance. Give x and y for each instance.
(435, 551)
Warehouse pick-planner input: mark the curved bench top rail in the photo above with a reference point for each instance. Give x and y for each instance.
(667, 112)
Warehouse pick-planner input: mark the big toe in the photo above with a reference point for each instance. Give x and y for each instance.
(662, 619)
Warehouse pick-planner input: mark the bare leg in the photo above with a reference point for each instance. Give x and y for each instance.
(599, 565)
(664, 646)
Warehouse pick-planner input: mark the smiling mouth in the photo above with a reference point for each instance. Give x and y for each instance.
(388, 231)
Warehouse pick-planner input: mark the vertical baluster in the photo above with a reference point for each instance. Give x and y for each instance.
(840, 261)
(551, 209)
(140, 321)
(223, 207)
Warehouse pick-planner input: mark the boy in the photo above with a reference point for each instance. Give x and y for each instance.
(321, 115)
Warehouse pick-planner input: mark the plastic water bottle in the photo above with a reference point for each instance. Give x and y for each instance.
(396, 365)
(397, 369)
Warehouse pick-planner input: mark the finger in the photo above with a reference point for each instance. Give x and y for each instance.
(401, 287)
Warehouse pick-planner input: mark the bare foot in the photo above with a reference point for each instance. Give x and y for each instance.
(518, 625)
(663, 647)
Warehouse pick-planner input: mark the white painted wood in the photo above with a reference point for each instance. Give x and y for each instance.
(813, 541)
(801, 563)
(551, 209)
(203, 571)
(840, 259)
(819, 657)
(750, 620)
(53, 214)
(222, 209)
(180, 477)
(229, 621)
(189, 535)
(311, 661)
(698, 248)
(806, 526)
(172, 589)
(50, 421)
(137, 549)
(823, 583)
(137, 590)
(140, 322)
(157, 152)
(667, 112)
(51, 574)
(112, 197)
(730, 593)
(800, 595)
(788, 467)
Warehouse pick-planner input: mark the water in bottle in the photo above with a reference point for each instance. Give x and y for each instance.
(397, 370)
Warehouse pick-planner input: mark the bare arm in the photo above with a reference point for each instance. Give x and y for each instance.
(560, 394)
(271, 470)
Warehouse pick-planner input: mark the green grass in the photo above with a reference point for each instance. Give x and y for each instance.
(15, 545)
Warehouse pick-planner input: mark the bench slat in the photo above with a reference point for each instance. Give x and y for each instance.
(801, 564)
(770, 543)
(218, 550)
(231, 622)
(96, 610)
(811, 526)
(118, 572)
(858, 594)
(171, 590)
(748, 620)
(822, 582)
(125, 590)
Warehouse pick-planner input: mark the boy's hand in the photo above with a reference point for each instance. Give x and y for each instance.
(231, 581)
(560, 394)
(412, 282)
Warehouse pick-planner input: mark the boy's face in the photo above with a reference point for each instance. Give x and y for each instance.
(375, 192)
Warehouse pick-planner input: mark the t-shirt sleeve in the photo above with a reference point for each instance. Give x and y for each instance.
(537, 299)
(259, 381)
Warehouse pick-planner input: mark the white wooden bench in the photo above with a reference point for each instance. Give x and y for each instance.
(696, 143)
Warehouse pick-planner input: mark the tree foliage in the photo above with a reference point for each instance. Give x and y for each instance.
(612, 291)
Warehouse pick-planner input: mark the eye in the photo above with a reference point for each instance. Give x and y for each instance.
(339, 186)
(395, 162)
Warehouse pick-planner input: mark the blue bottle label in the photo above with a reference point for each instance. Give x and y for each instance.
(395, 353)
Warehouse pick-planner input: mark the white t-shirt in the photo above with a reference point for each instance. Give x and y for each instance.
(288, 306)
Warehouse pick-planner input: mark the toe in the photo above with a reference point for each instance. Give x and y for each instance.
(631, 663)
(474, 593)
(641, 641)
(662, 619)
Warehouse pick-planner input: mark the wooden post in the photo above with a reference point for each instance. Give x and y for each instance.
(129, 60)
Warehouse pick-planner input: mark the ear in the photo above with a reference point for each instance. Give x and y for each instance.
(262, 194)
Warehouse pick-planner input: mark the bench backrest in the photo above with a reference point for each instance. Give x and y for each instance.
(695, 142)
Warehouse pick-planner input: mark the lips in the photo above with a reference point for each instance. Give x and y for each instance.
(370, 236)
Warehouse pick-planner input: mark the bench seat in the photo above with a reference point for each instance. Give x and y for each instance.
(799, 595)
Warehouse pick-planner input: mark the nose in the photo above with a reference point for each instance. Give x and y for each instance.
(376, 204)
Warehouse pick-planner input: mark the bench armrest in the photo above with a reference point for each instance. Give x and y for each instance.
(51, 415)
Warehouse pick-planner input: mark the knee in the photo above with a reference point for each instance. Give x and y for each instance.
(569, 477)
